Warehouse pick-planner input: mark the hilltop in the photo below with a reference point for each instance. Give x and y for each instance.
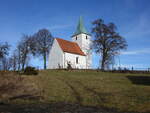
(75, 91)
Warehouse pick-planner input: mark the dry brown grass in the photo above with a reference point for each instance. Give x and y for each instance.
(117, 91)
(14, 86)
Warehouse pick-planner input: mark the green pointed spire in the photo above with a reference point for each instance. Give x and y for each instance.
(80, 28)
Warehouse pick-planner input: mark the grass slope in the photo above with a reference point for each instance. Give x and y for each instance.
(122, 92)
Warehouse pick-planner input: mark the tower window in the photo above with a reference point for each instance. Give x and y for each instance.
(76, 37)
(77, 60)
(86, 37)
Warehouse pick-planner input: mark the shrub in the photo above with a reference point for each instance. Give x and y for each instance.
(30, 71)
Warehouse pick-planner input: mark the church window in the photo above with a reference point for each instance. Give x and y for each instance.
(77, 60)
(86, 37)
(76, 37)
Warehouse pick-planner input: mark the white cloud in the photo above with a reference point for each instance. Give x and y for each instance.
(136, 52)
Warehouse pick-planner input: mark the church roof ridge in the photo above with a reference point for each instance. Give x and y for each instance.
(65, 40)
(69, 46)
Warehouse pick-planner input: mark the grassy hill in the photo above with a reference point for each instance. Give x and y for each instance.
(60, 90)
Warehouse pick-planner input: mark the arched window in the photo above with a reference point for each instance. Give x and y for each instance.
(86, 37)
(77, 60)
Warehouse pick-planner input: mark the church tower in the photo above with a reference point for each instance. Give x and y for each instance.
(83, 39)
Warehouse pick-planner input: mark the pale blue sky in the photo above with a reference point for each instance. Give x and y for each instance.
(132, 18)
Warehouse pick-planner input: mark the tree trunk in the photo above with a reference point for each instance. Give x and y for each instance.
(18, 66)
(103, 63)
(23, 64)
(103, 60)
(44, 60)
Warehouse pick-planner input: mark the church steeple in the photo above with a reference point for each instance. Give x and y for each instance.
(80, 28)
(83, 39)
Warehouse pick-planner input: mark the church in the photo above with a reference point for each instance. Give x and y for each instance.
(76, 53)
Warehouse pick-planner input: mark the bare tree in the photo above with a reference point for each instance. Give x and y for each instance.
(4, 48)
(23, 52)
(6, 64)
(4, 51)
(42, 43)
(14, 61)
(18, 53)
(107, 42)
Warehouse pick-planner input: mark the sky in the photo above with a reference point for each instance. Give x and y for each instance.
(60, 17)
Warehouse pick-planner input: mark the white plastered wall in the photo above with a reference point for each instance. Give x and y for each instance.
(85, 45)
(56, 56)
(69, 57)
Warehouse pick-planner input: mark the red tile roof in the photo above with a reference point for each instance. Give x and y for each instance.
(70, 47)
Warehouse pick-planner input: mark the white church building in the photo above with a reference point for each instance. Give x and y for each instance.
(77, 52)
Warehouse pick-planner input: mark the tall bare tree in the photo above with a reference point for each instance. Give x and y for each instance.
(4, 48)
(4, 51)
(43, 42)
(107, 42)
(14, 60)
(23, 51)
(6, 63)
